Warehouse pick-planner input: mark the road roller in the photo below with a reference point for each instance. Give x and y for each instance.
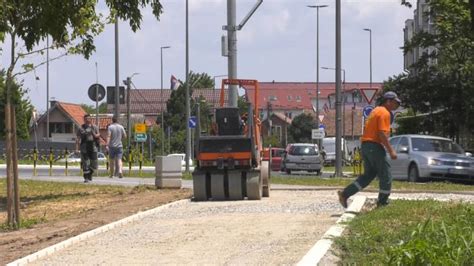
(229, 162)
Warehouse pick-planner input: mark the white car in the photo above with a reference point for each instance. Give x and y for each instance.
(183, 158)
(75, 157)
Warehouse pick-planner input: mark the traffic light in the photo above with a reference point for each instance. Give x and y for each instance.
(111, 95)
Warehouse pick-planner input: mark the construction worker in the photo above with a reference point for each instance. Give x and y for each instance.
(374, 147)
(87, 142)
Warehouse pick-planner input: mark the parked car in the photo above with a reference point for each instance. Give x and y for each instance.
(183, 158)
(329, 148)
(277, 154)
(302, 156)
(75, 157)
(421, 156)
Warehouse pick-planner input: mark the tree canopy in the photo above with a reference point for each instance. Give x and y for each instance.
(442, 79)
(301, 127)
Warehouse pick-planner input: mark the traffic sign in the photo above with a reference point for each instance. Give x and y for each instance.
(140, 128)
(367, 110)
(140, 137)
(369, 94)
(321, 118)
(318, 133)
(323, 126)
(96, 92)
(192, 122)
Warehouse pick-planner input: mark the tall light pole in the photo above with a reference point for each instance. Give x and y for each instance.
(338, 90)
(117, 78)
(188, 110)
(47, 88)
(370, 54)
(162, 109)
(317, 64)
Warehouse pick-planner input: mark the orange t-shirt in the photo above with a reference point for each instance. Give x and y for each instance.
(378, 120)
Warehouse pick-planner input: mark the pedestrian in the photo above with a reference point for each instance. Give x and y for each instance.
(374, 148)
(87, 142)
(115, 134)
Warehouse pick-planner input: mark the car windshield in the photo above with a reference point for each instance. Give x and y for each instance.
(303, 150)
(435, 145)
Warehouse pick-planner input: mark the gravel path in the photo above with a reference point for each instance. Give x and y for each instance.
(276, 230)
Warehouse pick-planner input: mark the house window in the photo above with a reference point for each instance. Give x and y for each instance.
(290, 98)
(298, 98)
(272, 98)
(60, 128)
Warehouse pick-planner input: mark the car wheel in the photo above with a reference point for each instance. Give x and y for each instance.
(413, 175)
(288, 171)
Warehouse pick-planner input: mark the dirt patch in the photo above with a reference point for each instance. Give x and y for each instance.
(83, 216)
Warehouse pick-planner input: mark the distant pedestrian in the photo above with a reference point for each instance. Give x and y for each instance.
(374, 139)
(87, 142)
(115, 134)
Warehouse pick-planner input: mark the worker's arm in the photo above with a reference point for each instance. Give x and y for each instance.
(383, 137)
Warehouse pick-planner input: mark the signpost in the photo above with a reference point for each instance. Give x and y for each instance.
(192, 122)
(140, 132)
(367, 110)
(318, 133)
(369, 94)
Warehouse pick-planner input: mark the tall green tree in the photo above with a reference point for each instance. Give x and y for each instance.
(300, 128)
(23, 108)
(443, 78)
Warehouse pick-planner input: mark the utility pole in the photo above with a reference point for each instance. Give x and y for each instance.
(232, 42)
(162, 106)
(317, 66)
(188, 108)
(232, 29)
(129, 127)
(338, 91)
(47, 88)
(117, 79)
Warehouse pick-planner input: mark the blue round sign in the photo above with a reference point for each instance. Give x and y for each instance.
(367, 110)
(322, 126)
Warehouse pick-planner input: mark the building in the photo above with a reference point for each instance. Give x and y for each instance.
(422, 22)
(283, 101)
(151, 102)
(64, 120)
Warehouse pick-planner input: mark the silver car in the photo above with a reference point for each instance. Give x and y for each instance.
(422, 156)
(302, 156)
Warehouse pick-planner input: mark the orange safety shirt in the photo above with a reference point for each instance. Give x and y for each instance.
(378, 120)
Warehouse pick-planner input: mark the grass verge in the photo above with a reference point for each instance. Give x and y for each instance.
(410, 233)
(43, 201)
(396, 185)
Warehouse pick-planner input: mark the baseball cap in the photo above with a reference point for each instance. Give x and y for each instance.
(392, 95)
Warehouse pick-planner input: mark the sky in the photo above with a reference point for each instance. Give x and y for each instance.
(278, 44)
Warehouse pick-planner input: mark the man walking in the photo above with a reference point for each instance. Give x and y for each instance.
(87, 142)
(374, 139)
(115, 134)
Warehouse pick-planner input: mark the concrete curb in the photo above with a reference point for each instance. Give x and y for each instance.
(86, 235)
(317, 252)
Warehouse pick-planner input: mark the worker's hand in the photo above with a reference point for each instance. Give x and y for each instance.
(393, 155)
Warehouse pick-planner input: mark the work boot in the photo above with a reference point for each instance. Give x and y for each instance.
(342, 199)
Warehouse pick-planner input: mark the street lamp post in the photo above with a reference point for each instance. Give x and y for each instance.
(317, 64)
(370, 54)
(188, 107)
(162, 108)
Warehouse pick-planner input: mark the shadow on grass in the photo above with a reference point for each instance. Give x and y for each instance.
(39, 198)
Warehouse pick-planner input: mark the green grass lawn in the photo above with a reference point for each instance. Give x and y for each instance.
(410, 233)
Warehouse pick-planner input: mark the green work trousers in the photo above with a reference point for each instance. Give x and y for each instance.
(375, 161)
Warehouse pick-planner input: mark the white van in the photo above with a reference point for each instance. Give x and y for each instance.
(329, 147)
